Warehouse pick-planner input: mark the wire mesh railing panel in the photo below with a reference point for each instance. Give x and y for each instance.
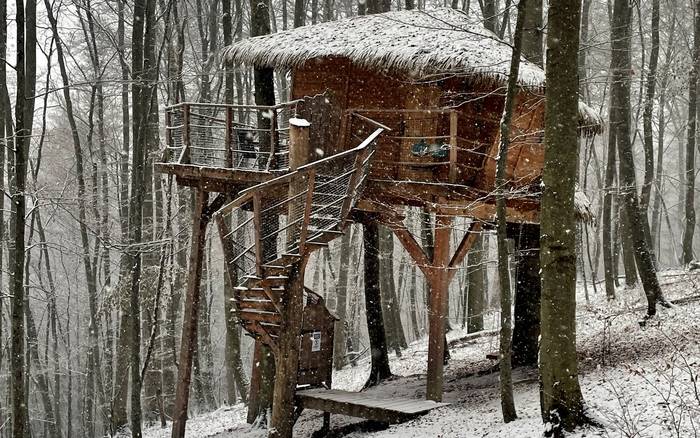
(174, 124)
(238, 238)
(207, 131)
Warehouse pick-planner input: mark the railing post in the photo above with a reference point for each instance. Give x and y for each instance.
(257, 238)
(168, 135)
(453, 146)
(298, 143)
(274, 139)
(298, 156)
(185, 156)
(354, 179)
(304, 230)
(227, 138)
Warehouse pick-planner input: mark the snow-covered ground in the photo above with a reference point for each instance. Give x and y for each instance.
(637, 382)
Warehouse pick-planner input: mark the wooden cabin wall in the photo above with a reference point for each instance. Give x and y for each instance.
(323, 76)
(526, 151)
(479, 111)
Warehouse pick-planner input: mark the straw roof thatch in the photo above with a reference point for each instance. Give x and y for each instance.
(418, 44)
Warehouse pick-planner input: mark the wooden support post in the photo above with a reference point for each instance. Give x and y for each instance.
(464, 246)
(306, 218)
(439, 284)
(189, 322)
(287, 357)
(298, 143)
(453, 146)
(274, 139)
(229, 137)
(298, 156)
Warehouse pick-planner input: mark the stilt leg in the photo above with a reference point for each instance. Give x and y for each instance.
(439, 280)
(189, 322)
(287, 358)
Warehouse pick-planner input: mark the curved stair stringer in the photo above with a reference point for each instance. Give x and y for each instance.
(278, 224)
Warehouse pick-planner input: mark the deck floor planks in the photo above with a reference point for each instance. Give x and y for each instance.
(364, 405)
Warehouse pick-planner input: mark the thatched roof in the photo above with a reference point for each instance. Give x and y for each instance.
(417, 43)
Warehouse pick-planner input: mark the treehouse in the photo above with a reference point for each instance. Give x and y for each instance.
(386, 111)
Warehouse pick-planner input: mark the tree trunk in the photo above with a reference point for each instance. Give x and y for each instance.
(532, 33)
(506, 332)
(24, 109)
(689, 229)
(373, 309)
(635, 219)
(488, 11)
(527, 295)
(476, 279)
(263, 80)
(649, 112)
(658, 182)
(561, 400)
(390, 309)
(341, 293)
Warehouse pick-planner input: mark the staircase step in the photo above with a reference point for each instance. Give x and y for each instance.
(323, 217)
(316, 244)
(273, 318)
(256, 304)
(258, 295)
(336, 232)
(272, 330)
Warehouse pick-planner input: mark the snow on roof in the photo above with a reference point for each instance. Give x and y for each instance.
(418, 43)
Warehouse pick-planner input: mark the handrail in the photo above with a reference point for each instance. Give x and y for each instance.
(246, 195)
(234, 105)
(367, 119)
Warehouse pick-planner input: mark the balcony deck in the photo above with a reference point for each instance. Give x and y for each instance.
(226, 147)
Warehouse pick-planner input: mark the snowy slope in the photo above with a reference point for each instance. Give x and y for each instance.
(637, 382)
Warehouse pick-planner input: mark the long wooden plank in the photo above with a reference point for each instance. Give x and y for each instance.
(364, 405)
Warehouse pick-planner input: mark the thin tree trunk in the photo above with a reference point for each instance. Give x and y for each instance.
(635, 218)
(25, 66)
(341, 293)
(387, 288)
(649, 111)
(658, 182)
(476, 279)
(689, 229)
(506, 332)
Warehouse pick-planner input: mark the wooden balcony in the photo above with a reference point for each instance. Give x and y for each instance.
(224, 147)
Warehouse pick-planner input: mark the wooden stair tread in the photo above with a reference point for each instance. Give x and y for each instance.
(364, 405)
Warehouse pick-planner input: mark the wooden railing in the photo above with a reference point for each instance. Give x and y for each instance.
(243, 137)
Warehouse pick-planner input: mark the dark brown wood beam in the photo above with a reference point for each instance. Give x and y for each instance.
(463, 248)
(189, 323)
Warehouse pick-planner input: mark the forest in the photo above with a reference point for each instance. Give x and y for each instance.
(515, 234)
